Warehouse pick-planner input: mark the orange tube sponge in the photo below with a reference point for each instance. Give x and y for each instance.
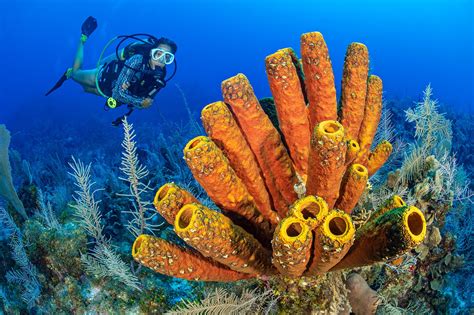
(215, 236)
(171, 260)
(211, 169)
(353, 150)
(292, 246)
(354, 88)
(264, 140)
(353, 185)
(373, 111)
(291, 106)
(378, 158)
(386, 237)
(392, 203)
(326, 161)
(319, 79)
(333, 238)
(221, 126)
(169, 199)
(310, 209)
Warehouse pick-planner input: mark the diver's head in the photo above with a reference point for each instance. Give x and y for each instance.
(163, 53)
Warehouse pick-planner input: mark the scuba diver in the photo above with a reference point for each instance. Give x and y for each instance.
(132, 76)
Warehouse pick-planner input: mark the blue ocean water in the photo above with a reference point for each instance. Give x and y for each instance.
(411, 44)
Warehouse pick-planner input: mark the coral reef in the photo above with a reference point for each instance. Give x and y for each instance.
(427, 177)
(245, 215)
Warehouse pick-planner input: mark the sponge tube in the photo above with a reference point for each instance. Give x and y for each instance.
(386, 237)
(214, 235)
(171, 260)
(291, 106)
(222, 128)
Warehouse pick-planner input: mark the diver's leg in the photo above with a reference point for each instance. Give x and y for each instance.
(91, 90)
(86, 78)
(79, 55)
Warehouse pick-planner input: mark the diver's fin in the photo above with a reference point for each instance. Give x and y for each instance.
(60, 82)
(89, 26)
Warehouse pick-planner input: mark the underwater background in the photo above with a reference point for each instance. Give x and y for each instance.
(51, 263)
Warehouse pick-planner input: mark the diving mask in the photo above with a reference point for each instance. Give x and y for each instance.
(163, 56)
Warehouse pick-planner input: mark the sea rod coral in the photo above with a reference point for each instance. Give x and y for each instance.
(265, 226)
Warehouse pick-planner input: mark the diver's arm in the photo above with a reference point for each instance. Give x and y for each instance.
(120, 92)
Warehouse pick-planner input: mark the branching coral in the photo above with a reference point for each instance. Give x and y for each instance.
(251, 173)
(433, 136)
(428, 178)
(135, 174)
(432, 128)
(26, 276)
(222, 302)
(102, 261)
(46, 212)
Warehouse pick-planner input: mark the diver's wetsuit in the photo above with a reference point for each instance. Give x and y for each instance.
(144, 82)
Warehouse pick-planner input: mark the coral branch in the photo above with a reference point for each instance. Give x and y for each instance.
(135, 173)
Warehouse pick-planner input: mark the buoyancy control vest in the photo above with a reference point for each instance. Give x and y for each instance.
(145, 82)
